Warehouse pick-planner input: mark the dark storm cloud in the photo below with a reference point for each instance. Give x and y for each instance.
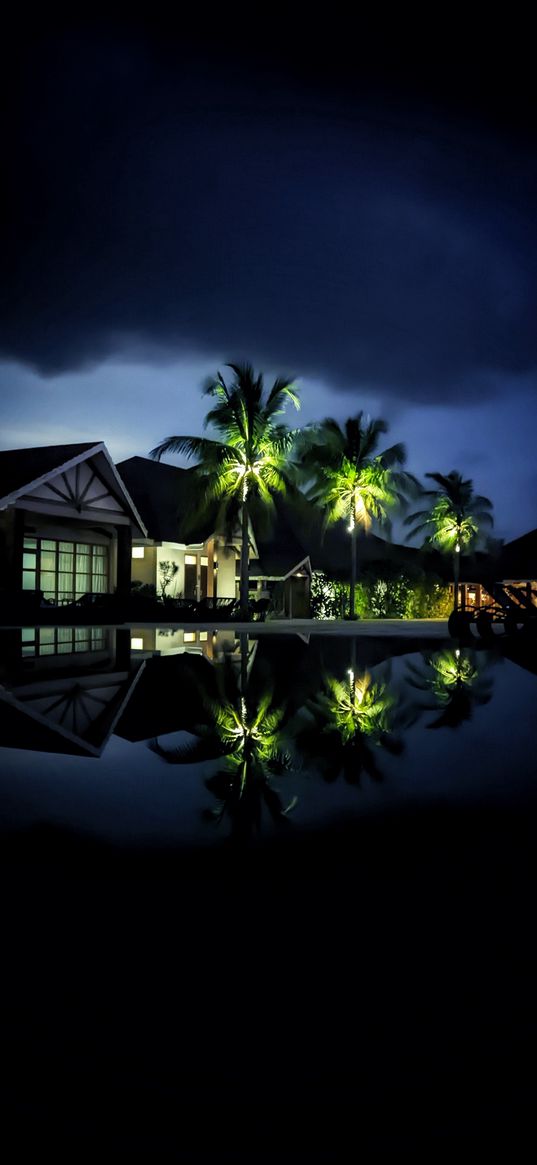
(170, 205)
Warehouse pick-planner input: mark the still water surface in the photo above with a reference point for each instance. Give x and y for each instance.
(229, 737)
(266, 900)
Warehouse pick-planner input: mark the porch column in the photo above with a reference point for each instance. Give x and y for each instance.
(124, 558)
(11, 546)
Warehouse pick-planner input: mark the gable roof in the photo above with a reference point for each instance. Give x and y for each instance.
(518, 559)
(279, 548)
(22, 470)
(164, 495)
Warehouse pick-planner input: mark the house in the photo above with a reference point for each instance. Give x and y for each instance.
(206, 563)
(66, 523)
(63, 689)
(281, 570)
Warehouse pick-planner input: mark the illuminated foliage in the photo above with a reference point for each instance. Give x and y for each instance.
(456, 680)
(454, 518)
(350, 720)
(401, 596)
(249, 462)
(349, 480)
(246, 732)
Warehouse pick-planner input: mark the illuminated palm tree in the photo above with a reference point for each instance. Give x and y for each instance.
(251, 461)
(246, 731)
(455, 680)
(350, 720)
(350, 480)
(453, 520)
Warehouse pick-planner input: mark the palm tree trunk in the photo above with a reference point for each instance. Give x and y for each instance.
(245, 532)
(353, 573)
(456, 575)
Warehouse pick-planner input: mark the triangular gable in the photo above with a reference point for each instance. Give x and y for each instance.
(86, 486)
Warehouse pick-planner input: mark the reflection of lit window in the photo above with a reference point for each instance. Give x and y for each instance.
(190, 637)
(137, 644)
(138, 551)
(203, 636)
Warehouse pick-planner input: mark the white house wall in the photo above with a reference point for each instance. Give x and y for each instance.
(226, 573)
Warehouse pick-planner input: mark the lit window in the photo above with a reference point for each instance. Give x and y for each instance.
(203, 636)
(204, 560)
(190, 559)
(138, 551)
(189, 637)
(137, 644)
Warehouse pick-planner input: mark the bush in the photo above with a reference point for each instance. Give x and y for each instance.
(395, 595)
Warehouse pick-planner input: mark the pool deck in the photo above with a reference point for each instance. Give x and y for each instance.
(374, 628)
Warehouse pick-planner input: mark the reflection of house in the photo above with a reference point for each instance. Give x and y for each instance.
(164, 496)
(515, 569)
(66, 522)
(63, 689)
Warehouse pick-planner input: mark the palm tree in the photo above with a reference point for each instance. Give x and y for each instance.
(349, 479)
(347, 722)
(250, 463)
(453, 520)
(454, 681)
(246, 730)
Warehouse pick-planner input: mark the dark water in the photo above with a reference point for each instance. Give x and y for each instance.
(266, 899)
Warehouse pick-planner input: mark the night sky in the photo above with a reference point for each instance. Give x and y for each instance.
(354, 210)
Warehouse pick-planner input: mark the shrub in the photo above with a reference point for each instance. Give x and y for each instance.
(394, 595)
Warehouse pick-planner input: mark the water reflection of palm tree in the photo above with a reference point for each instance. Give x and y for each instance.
(455, 682)
(246, 730)
(349, 721)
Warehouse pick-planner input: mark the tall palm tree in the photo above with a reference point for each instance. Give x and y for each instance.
(245, 729)
(346, 723)
(250, 462)
(349, 479)
(454, 681)
(453, 520)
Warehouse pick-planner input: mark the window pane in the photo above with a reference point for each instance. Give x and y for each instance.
(66, 562)
(28, 580)
(64, 648)
(83, 583)
(83, 562)
(83, 548)
(30, 542)
(28, 634)
(28, 561)
(47, 649)
(47, 580)
(65, 634)
(46, 635)
(48, 545)
(100, 551)
(29, 649)
(67, 547)
(48, 560)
